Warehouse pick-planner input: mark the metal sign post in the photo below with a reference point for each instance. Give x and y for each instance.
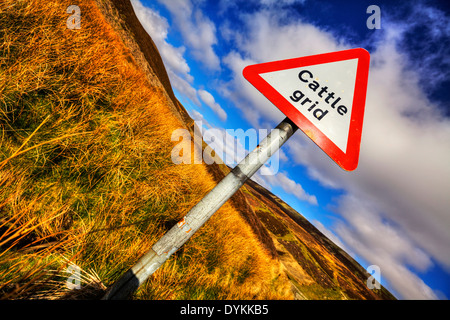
(200, 213)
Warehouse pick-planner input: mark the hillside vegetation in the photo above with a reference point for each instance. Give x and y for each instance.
(86, 177)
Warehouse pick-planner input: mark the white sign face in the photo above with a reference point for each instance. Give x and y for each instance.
(323, 93)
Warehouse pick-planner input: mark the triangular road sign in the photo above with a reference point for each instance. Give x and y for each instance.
(324, 95)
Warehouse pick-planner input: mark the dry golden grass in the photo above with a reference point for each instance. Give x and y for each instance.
(86, 175)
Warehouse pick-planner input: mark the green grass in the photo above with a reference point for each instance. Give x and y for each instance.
(316, 292)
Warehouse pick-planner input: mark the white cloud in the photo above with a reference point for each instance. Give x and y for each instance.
(196, 116)
(267, 27)
(211, 102)
(281, 179)
(382, 244)
(176, 65)
(262, 29)
(199, 33)
(157, 27)
(185, 88)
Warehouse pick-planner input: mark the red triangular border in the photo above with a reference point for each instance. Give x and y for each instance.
(349, 159)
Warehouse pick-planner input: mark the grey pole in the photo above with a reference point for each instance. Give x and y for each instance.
(200, 213)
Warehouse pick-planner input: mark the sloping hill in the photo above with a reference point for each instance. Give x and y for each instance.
(87, 183)
(120, 14)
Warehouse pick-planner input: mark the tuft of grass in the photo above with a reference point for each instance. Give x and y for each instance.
(86, 175)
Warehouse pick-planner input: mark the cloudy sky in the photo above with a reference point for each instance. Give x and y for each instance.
(393, 210)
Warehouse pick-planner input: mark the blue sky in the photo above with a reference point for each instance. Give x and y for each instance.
(393, 210)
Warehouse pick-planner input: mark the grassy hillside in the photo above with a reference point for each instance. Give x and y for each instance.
(86, 176)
